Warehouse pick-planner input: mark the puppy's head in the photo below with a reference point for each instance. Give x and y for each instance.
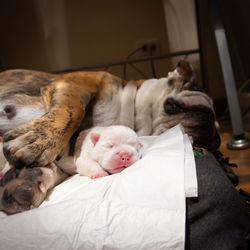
(116, 148)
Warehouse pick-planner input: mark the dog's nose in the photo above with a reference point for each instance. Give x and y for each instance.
(171, 106)
(125, 156)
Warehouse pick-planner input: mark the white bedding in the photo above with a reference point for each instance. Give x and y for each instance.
(142, 207)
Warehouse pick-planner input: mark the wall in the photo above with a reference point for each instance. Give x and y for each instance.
(182, 31)
(97, 31)
(21, 43)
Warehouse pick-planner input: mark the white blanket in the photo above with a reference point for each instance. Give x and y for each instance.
(142, 207)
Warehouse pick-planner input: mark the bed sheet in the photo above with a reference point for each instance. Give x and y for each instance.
(142, 207)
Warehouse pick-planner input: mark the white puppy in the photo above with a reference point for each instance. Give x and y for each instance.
(101, 151)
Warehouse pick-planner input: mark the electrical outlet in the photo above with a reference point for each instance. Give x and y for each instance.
(148, 46)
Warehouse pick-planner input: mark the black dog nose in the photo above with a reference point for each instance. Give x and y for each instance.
(171, 106)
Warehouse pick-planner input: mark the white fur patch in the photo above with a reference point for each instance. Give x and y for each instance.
(23, 115)
(149, 105)
(106, 111)
(127, 114)
(25, 108)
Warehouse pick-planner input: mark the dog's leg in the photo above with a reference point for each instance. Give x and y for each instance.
(24, 189)
(40, 141)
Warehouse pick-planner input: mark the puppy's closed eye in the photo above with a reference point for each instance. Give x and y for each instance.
(109, 145)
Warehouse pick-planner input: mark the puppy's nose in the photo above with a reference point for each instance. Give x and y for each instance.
(125, 156)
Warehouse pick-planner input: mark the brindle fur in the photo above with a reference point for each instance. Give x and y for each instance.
(65, 99)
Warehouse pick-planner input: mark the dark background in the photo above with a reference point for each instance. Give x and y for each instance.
(104, 31)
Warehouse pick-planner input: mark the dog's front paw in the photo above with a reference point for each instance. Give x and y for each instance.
(36, 143)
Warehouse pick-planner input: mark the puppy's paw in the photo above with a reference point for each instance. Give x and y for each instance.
(94, 176)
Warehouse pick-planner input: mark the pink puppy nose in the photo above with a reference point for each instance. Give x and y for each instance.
(125, 157)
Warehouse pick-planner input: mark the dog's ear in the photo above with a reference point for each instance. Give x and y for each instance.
(185, 69)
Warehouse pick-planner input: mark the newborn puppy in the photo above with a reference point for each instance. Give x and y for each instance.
(101, 151)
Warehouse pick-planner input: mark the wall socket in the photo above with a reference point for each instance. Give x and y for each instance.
(148, 45)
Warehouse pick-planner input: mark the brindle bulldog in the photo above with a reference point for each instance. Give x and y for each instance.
(40, 113)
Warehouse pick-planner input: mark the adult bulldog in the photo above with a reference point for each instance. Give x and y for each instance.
(41, 112)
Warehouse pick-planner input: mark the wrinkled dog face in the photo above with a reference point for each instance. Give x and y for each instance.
(116, 149)
(194, 110)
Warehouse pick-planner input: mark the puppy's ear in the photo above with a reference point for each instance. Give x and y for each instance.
(95, 138)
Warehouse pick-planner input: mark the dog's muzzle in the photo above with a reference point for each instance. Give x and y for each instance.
(197, 120)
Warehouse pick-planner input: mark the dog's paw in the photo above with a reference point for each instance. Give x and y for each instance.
(22, 192)
(27, 188)
(20, 195)
(36, 143)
